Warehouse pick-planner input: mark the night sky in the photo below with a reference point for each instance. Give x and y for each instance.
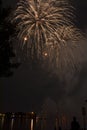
(27, 91)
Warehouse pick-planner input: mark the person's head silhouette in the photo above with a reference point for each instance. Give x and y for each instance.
(74, 118)
(75, 124)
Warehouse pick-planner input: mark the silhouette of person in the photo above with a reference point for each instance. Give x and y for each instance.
(60, 128)
(75, 124)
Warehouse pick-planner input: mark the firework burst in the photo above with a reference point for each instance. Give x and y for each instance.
(64, 55)
(47, 32)
(38, 20)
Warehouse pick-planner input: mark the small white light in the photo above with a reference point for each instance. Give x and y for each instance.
(25, 38)
(45, 54)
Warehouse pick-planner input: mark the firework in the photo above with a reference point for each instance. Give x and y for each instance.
(65, 54)
(38, 20)
(47, 32)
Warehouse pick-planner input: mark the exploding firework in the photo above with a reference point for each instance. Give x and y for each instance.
(47, 32)
(65, 54)
(38, 20)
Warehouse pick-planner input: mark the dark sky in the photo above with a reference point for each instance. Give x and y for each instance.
(26, 90)
(9, 2)
(81, 11)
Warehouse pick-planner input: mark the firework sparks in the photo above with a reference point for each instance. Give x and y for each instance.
(47, 32)
(37, 20)
(65, 53)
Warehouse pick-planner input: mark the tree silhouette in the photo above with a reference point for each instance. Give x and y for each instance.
(6, 47)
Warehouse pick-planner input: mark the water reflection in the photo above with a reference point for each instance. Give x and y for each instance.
(27, 121)
(17, 121)
(1, 120)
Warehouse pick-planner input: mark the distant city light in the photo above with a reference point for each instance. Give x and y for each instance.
(32, 112)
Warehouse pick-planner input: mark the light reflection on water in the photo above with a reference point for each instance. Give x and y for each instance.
(15, 121)
(2, 122)
(31, 124)
(12, 120)
(2, 116)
